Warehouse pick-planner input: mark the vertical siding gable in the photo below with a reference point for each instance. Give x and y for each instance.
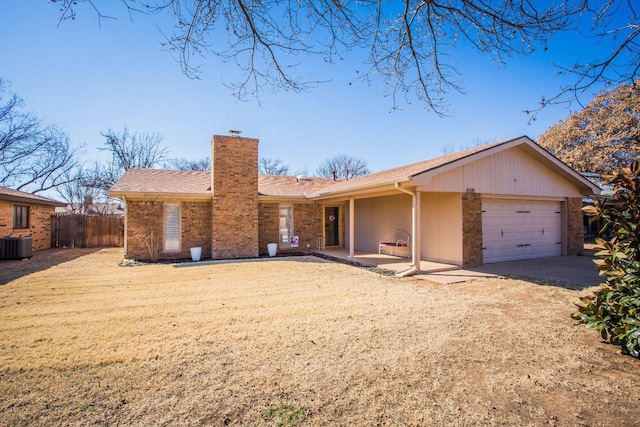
(511, 172)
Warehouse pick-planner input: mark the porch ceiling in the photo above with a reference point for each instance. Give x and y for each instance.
(363, 193)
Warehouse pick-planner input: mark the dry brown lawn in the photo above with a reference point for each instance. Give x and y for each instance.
(84, 341)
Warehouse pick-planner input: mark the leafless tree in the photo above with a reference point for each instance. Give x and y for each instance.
(76, 191)
(451, 148)
(127, 150)
(34, 157)
(602, 137)
(203, 164)
(614, 23)
(134, 150)
(272, 167)
(410, 43)
(342, 167)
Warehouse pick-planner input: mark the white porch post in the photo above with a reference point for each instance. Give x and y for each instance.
(416, 231)
(352, 222)
(126, 226)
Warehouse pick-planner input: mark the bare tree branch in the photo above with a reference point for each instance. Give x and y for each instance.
(68, 9)
(615, 23)
(272, 167)
(127, 151)
(203, 164)
(342, 166)
(33, 157)
(411, 43)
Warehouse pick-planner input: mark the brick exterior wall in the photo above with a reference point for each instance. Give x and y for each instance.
(268, 220)
(6, 219)
(145, 229)
(196, 227)
(471, 229)
(575, 226)
(39, 224)
(234, 182)
(307, 225)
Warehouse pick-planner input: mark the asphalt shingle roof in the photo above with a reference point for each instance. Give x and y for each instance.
(10, 194)
(163, 181)
(290, 186)
(154, 181)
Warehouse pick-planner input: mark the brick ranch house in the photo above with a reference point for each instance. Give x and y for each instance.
(503, 201)
(27, 215)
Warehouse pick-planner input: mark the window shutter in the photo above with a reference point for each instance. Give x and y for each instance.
(172, 227)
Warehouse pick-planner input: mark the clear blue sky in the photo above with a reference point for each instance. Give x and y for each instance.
(89, 76)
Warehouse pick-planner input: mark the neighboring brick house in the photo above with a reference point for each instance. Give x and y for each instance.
(503, 201)
(27, 215)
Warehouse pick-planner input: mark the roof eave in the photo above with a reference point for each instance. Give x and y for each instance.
(359, 190)
(30, 201)
(271, 197)
(159, 195)
(585, 186)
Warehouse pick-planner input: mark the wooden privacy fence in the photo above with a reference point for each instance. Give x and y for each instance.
(88, 231)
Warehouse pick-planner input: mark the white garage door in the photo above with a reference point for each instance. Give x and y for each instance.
(513, 229)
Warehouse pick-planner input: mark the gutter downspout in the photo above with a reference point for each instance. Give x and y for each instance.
(415, 230)
(352, 239)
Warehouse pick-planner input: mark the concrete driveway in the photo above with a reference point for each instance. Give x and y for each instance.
(573, 272)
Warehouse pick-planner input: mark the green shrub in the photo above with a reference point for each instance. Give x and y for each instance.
(614, 308)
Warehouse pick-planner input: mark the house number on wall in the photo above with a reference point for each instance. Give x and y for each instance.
(471, 190)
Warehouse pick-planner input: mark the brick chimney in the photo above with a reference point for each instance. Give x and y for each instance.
(234, 183)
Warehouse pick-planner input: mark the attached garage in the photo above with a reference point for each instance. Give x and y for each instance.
(505, 201)
(518, 229)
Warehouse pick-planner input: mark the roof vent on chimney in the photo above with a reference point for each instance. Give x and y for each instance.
(235, 132)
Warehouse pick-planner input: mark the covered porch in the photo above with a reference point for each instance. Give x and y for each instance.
(393, 263)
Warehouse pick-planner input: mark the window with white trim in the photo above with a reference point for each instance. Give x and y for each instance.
(172, 227)
(286, 224)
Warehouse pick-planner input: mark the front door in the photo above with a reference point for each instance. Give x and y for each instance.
(331, 226)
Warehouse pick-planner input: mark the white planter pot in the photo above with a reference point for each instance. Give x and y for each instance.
(196, 253)
(272, 248)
